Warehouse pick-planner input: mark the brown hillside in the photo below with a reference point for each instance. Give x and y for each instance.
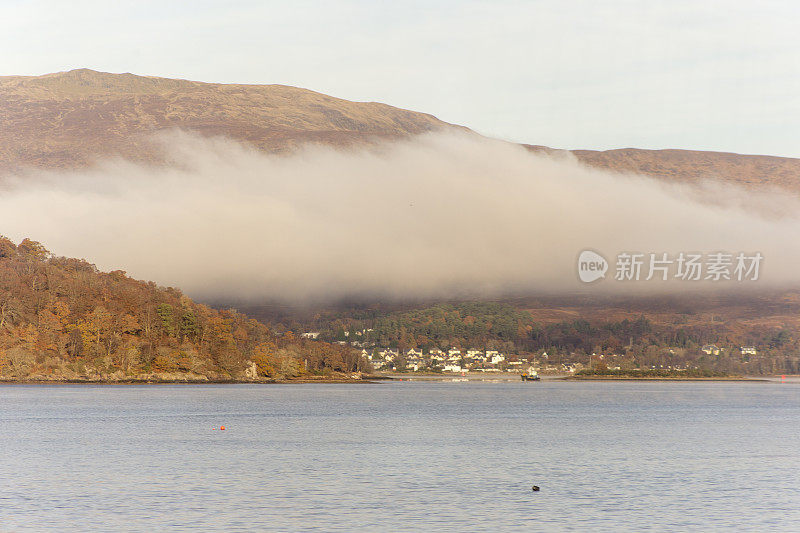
(67, 119)
(749, 171)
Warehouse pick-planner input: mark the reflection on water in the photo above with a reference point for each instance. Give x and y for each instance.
(402, 456)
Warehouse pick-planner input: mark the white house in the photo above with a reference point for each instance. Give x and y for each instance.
(748, 350)
(452, 368)
(388, 354)
(710, 349)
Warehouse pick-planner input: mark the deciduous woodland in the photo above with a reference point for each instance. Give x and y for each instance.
(61, 319)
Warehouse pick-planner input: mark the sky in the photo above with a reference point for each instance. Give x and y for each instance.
(568, 74)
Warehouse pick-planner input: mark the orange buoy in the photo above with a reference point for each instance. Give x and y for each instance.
(222, 428)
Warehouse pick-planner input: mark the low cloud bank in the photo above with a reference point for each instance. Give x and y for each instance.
(441, 215)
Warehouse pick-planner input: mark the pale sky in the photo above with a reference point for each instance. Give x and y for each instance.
(706, 75)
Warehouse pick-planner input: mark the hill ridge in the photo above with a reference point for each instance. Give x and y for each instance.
(70, 119)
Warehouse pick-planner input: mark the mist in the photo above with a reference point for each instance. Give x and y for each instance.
(443, 215)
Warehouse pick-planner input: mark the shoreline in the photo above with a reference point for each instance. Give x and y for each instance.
(372, 379)
(151, 381)
(663, 378)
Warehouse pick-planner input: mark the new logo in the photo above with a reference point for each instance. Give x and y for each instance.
(591, 266)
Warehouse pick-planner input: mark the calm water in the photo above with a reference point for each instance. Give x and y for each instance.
(402, 456)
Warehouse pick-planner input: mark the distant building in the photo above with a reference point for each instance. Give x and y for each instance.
(453, 368)
(310, 335)
(413, 353)
(710, 349)
(388, 354)
(748, 350)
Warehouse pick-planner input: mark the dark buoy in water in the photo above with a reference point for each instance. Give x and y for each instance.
(535, 488)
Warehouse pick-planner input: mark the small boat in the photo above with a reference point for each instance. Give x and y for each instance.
(532, 375)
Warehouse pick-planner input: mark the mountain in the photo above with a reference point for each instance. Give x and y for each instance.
(749, 171)
(68, 119)
(63, 319)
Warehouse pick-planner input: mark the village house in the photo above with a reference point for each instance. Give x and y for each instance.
(388, 354)
(710, 349)
(748, 350)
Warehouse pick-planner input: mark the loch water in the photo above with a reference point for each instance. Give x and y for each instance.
(401, 456)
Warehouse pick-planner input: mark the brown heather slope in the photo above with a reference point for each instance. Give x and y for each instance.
(749, 171)
(68, 119)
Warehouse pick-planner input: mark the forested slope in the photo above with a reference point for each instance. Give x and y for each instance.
(62, 319)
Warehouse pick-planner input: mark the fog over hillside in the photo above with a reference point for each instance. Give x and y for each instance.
(438, 215)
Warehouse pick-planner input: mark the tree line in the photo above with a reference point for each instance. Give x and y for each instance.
(61, 318)
(502, 326)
